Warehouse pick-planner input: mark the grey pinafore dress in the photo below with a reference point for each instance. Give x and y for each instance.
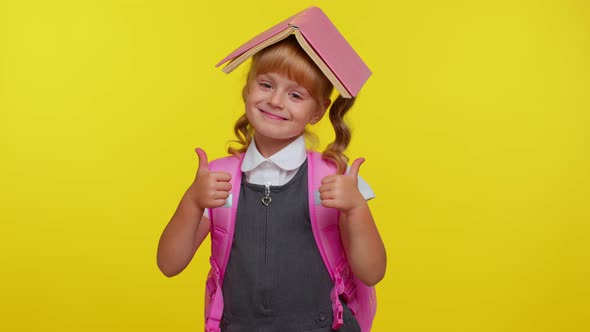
(275, 278)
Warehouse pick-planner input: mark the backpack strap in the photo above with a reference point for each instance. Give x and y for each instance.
(324, 222)
(222, 235)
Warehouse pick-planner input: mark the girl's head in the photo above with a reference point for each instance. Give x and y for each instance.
(289, 61)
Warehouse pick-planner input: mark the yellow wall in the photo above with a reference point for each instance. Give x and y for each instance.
(475, 127)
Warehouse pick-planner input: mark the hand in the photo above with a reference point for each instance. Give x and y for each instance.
(210, 189)
(341, 191)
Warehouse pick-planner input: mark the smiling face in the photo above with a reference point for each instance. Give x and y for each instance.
(284, 92)
(279, 109)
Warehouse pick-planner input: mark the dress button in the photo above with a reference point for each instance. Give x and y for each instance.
(322, 317)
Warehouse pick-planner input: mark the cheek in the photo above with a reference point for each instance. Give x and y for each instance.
(249, 103)
(249, 112)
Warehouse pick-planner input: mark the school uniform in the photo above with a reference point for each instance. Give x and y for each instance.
(275, 278)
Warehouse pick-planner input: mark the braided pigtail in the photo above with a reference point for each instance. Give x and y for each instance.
(342, 135)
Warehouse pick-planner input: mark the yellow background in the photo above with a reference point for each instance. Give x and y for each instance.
(475, 127)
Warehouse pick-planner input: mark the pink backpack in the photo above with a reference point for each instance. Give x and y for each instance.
(324, 221)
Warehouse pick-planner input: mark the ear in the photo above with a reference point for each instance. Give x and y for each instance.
(320, 112)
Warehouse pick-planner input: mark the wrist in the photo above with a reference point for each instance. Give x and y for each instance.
(357, 209)
(192, 201)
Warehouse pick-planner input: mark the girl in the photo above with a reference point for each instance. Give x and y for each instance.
(275, 279)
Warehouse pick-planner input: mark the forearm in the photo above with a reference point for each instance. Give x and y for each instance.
(177, 243)
(363, 244)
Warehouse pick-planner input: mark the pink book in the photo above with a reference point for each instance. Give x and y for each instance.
(322, 41)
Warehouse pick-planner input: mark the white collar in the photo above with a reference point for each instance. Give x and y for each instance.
(289, 158)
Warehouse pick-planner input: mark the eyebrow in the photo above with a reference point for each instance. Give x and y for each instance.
(271, 76)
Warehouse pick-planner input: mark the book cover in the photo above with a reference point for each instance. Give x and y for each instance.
(329, 49)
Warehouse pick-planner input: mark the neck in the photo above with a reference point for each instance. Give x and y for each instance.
(269, 146)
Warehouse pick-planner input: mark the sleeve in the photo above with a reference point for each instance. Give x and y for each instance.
(364, 188)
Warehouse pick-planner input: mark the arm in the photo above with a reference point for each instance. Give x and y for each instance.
(358, 232)
(178, 242)
(188, 227)
(363, 245)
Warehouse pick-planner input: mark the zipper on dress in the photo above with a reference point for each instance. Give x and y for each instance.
(266, 199)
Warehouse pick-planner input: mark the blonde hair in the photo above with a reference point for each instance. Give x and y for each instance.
(289, 59)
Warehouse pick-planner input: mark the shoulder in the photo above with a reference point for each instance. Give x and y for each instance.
(320, 163)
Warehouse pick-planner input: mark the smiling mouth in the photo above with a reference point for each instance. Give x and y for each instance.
(272, 116)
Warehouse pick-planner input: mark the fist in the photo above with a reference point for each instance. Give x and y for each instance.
(341, 191)
(209, 189)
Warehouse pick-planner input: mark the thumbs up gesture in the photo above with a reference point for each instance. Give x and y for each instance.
(341, 191)
(209, 189)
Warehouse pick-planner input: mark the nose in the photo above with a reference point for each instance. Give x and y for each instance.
(276, 99)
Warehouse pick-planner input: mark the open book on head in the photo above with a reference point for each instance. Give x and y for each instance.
(320, 39)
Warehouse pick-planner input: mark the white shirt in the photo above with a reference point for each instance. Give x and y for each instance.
(282, 166)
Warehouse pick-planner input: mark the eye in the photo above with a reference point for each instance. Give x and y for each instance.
(265, 85)
(296, 95)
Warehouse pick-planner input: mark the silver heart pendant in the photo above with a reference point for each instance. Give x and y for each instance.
(266, 201)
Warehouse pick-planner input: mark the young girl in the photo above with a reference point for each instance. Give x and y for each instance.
(275, 279)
